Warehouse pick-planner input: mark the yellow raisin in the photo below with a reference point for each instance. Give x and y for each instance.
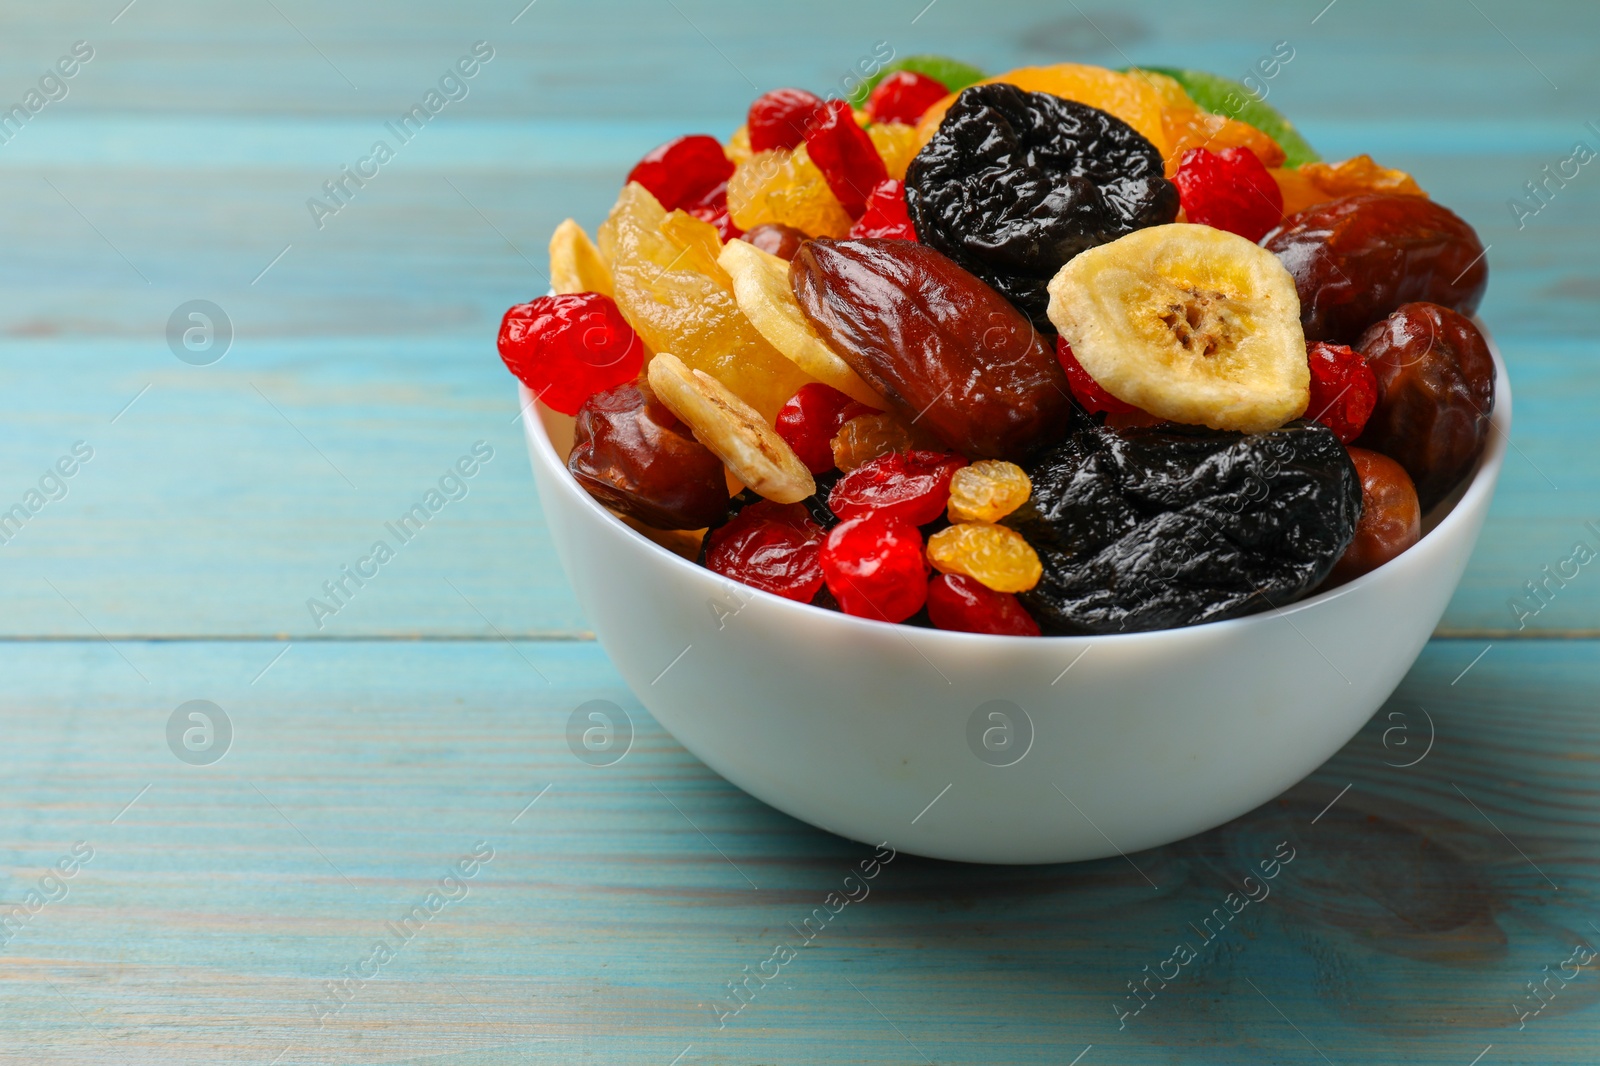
(987, 491)
(995, 556)
(866, 437)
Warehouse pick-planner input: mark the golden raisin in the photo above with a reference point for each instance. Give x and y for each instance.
(987, 491)
(995, 556)
(866, 437)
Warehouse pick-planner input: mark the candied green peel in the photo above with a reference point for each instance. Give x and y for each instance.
(951, 73)
(1224, 96)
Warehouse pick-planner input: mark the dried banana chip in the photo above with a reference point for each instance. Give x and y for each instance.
(732, 429)
(575, 263)
(761, 286)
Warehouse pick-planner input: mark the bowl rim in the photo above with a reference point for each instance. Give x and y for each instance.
(1479, 484)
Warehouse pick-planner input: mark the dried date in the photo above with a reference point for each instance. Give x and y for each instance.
(1435, 393)
(1356, 258)
(1155, 528)
(948, 352)
(634, 456)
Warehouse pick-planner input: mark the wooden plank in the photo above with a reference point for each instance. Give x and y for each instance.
(220, 899)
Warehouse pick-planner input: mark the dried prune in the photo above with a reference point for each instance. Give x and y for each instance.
(1356, 258)
(1015, 183)
(941, 346)
(1435, 391)
(1164, 527)
(634, 456)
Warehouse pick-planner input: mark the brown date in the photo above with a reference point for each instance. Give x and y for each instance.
(943, 348)
(1356, 258)
(634, 456)
(1435, 391)
(776, 239)
(1391, 519)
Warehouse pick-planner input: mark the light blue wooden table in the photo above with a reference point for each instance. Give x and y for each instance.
(228, 912)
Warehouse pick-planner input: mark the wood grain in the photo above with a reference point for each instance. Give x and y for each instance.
(371, 754)
(616, 908)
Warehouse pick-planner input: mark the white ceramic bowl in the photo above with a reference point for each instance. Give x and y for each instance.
(892, 733)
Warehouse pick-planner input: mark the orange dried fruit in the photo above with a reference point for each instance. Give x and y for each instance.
(1314, 183)
(670, 289)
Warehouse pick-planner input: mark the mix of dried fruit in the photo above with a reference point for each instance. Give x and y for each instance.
(1064, 350)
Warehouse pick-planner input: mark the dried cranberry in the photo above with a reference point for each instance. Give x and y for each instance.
(776, 239)
(1229, 190)
(1085, 389)
(875, 568)
(1344, 390)
(903, 96)
(808, 421)
(885, 214)
(914, 486)
(633, 455)
(683, 171)
(964, 604)
(567, 348)
(770, 546)
(845, 155)
(778, 119)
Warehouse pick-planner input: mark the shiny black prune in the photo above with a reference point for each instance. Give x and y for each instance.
(1161, 527)
(1014, 184)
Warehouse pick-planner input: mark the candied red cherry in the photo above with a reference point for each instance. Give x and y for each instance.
(1344, 390)
(1230, 190)
(885, 214)
(914, 486)
(903, 96)
(874, 567)
(778, 119)
(567, 348)
(685, 170)
(1085, 389)
(770, 546)
(809, 420)
(633, 455)
(966, 605)
(776, 239)
(845, 155)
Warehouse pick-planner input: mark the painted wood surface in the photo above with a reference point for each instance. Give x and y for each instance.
(220, 899)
